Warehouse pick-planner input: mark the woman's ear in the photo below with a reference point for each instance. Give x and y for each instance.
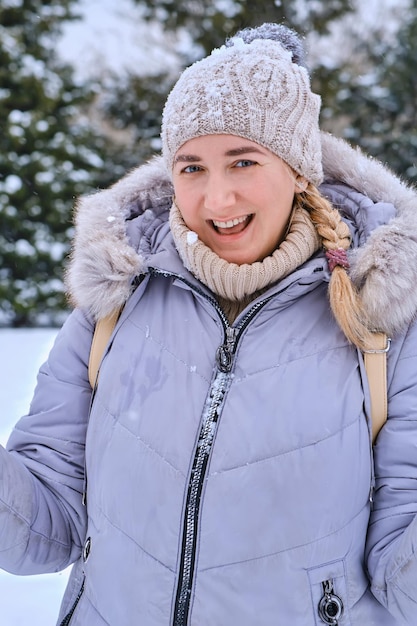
(301, 184)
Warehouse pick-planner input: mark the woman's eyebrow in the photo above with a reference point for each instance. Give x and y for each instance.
(186, 158)
(192, 158)
(243, 150)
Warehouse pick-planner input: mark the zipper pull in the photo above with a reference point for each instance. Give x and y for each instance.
(330, 605)
(224, 354)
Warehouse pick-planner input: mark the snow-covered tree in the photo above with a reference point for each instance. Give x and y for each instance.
(210, 21)
(370, 96)
(48, 156)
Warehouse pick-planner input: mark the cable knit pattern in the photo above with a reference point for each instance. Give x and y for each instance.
(235, 282)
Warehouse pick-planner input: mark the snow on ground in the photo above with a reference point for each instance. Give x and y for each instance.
(25, 600)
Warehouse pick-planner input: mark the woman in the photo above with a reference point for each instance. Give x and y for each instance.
(225, 474)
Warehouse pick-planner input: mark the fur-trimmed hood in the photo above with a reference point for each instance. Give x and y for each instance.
(103, 263)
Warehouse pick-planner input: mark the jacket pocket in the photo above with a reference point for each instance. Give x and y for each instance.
(329, 594)
(67, 619)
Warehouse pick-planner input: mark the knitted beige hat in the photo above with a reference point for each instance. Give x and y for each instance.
(254, 88)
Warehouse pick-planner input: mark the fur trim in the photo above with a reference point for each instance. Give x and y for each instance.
(385, 268)
(103, 263)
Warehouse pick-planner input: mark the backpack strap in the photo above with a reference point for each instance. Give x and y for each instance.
(375, 359)
(102, 334)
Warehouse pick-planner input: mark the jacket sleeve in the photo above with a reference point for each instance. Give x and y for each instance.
(42, 519)
(392, 536)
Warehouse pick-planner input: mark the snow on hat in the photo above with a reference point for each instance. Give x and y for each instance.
(256, 87)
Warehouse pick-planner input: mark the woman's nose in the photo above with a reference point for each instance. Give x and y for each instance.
(219, 194)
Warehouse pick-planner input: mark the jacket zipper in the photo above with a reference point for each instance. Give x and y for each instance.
(211, 413)
(192, 509)
(67, 619)
(330, 605)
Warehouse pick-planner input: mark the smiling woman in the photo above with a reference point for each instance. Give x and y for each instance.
(238, 207)
(221, 471)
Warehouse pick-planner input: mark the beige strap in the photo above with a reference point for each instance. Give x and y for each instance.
(102, 333)
(376, 369)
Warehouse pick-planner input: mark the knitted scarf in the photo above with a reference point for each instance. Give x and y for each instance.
(236, 285)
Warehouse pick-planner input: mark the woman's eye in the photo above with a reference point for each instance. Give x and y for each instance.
(190, 169)
(245, 163)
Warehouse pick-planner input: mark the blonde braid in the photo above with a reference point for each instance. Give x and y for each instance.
(344, 298)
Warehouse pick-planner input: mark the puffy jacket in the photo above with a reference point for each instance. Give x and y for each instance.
(224, 474)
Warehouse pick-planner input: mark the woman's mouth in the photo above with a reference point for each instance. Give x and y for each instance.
(232, 227)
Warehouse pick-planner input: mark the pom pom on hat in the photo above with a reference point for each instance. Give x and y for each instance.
(256, 87)
(276, 32)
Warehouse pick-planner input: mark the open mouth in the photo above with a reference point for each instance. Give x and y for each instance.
(232, 227)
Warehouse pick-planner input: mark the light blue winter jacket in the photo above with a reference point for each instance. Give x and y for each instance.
(228, 473)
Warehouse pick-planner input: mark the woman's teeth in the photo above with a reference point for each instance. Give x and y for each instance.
(230, 223)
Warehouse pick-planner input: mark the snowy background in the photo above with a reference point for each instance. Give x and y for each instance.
(113, 38)
(25, 600)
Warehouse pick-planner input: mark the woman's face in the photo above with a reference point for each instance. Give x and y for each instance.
(236, 195)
